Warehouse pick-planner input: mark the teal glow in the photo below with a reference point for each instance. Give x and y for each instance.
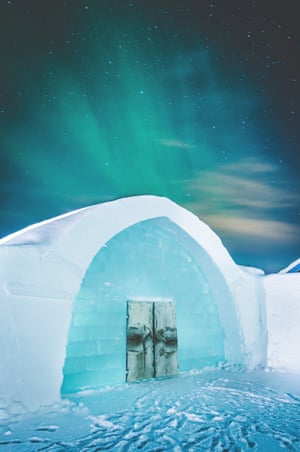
(141, 118)
(122, 136)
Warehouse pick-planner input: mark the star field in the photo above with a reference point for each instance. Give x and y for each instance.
(196, 101)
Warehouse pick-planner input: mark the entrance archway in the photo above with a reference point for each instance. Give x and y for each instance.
(152, 259)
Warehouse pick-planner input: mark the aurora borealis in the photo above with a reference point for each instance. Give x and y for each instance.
(193, 100)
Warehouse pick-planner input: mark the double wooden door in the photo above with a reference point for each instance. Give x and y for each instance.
(151, 339)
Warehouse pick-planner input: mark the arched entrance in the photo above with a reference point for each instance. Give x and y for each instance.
(151, 260)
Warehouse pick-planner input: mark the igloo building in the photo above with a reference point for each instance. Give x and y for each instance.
(128, 290)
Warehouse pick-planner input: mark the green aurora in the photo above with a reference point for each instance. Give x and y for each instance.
(121, 100)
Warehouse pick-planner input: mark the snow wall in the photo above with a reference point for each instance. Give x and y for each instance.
(49, 270)
(283, 320)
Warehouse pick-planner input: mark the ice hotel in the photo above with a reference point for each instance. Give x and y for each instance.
(133, 289)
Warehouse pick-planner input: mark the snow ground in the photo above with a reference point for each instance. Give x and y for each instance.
(196, 411)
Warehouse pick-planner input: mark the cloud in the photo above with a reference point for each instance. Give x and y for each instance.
(250, 165)
(176, 144)
(246, 184)
(253, 228)
(247, 198)
(243, 192)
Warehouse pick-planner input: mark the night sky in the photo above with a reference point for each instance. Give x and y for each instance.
(194, 100)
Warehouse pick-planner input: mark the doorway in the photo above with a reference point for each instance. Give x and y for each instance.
(151, 339)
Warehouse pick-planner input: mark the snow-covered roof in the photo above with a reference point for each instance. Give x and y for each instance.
(46, 231)
(91, 227)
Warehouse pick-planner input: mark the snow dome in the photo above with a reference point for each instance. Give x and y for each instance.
(122, 291)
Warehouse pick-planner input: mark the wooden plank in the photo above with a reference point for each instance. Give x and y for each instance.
(139, 340)
(165, 339)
